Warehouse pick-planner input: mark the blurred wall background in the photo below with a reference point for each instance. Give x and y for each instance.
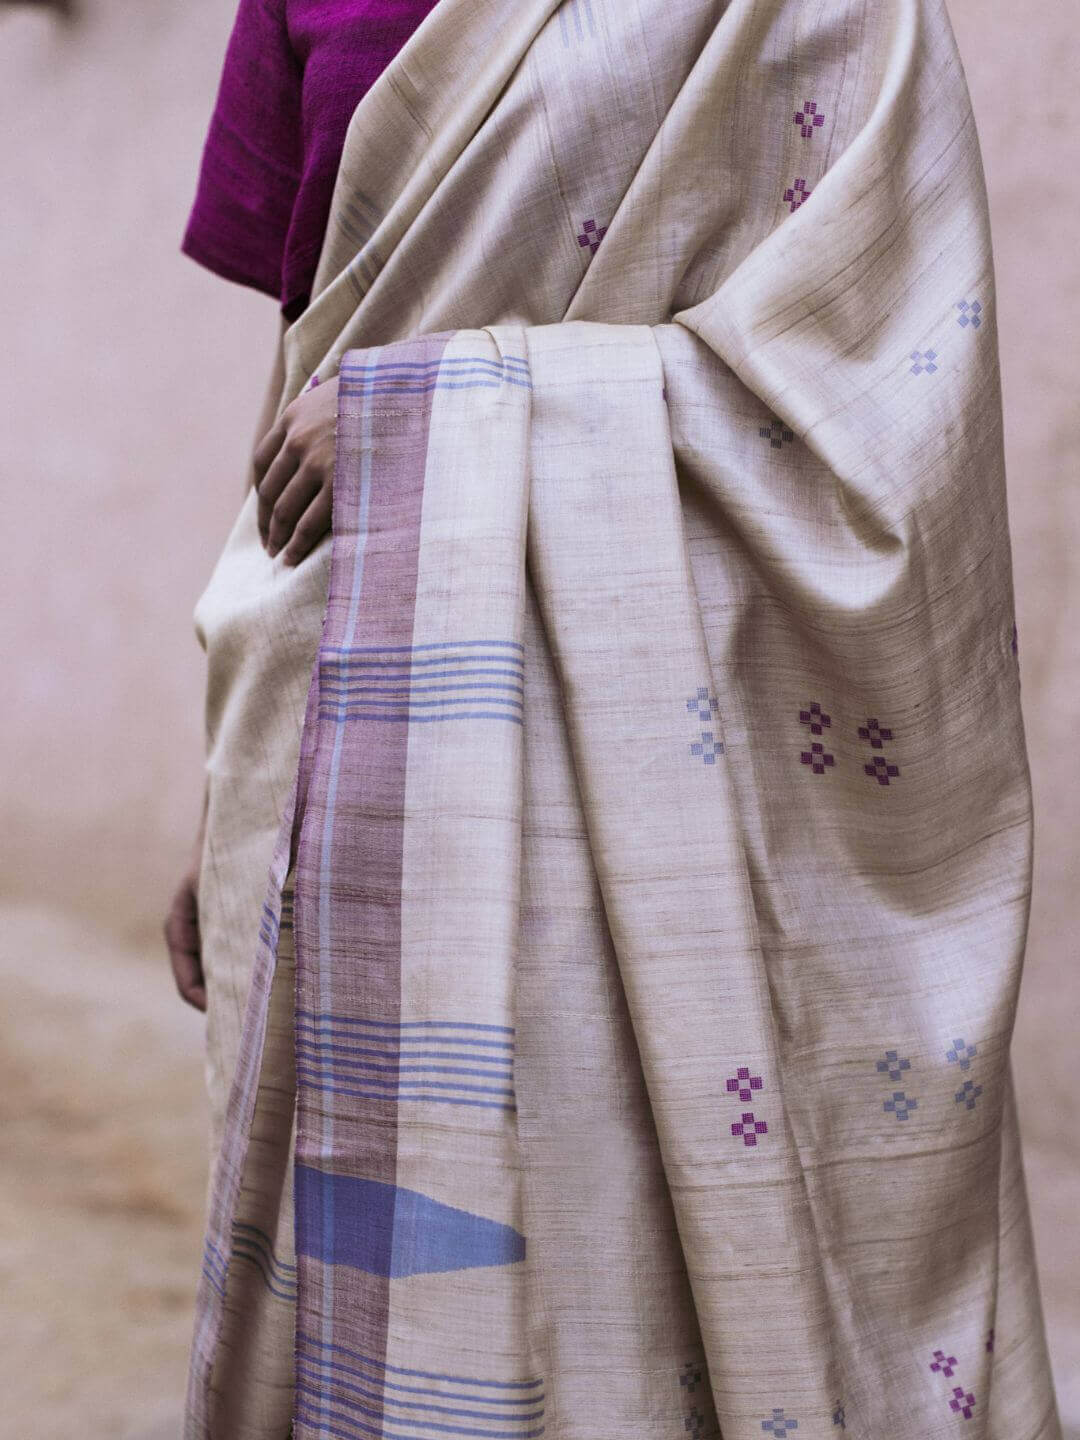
(132, 381)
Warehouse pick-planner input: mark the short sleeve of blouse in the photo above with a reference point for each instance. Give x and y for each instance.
(252, 159)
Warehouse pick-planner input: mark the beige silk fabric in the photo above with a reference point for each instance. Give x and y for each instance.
(704, 419)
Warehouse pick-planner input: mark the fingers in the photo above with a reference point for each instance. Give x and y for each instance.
(311, 527)
(294, 467)
(291, 505)
(182, 940)
(268, 447)
(273, 484)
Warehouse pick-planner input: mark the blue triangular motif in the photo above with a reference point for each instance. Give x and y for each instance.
(388, 1230)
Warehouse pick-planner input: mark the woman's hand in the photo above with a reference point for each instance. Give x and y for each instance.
(294, 474)
(182, 930)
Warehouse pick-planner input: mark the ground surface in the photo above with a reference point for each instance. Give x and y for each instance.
(102, 1156)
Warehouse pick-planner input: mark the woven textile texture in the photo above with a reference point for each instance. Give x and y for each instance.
(619, 844)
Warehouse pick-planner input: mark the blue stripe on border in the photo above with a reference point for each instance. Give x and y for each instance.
(315, 1055)
(270, 1282)
(361, 376)
(394, 687)
(418, 1374)
(399, 1099)
(380, 1397)
(312, 1416)
(344, 703)
(339, 716)
(400, 1085)
(316, 1362)
(358, 1427)
(323, 1017)
(417, 663)
(416, 649)
(467, 1058)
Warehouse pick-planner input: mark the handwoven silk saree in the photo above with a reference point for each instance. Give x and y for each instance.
(627, 813)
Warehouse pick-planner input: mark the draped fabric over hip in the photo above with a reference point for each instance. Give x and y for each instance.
(655, 845)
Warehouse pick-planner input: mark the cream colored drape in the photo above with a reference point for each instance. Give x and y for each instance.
(638, 778)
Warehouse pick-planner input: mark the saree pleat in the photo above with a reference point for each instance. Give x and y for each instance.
(631, 1012)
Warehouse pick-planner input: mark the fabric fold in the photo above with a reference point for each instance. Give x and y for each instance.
(661, 831)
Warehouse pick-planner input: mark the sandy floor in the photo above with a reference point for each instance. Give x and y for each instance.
(102, 1154)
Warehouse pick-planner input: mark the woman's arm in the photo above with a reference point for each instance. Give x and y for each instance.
(294, 469)
(182, 922)
(270, 401)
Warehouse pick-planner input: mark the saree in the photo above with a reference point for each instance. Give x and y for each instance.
(624, 818)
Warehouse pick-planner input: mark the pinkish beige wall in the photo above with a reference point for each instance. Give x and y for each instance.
(132, 380)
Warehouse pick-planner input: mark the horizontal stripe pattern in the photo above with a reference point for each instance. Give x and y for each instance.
(254, 1247)
(346, 1392)
(271, 924)
(437, 1061)
(451, 680)
(416, 377)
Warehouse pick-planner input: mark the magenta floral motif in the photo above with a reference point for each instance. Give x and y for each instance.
(591, 235)
(796, 193)
(962, 1402)
(818, 758)
(814, 718)
(944, 1364)
(749, 1128)
(881, 770)
(744, 1083)
(875, 733)
(809, 118)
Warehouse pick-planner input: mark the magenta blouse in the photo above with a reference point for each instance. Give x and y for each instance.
(294, 72)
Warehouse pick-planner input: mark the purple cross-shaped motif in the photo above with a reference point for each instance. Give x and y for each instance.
(875, 733)
(808, 118)
(969, 314)
(591, 235)
(924, 362)
(963, 1403)
(690, 1376)
(705, 704)
(693, 1420)
(817, 758)
(795, 194)
(778, 1425)
(839, 1417)
(749, 1128)
(893, 1065)
(900, 1105)
(776, 433)
(814, 719)
(707, 748)
(961, 1054)
(968, 1093)
(990, 1343)
(745, 1083)
(943, 1364)
(882, 770)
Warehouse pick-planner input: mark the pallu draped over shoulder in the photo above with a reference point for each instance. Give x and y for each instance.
(626, 814)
